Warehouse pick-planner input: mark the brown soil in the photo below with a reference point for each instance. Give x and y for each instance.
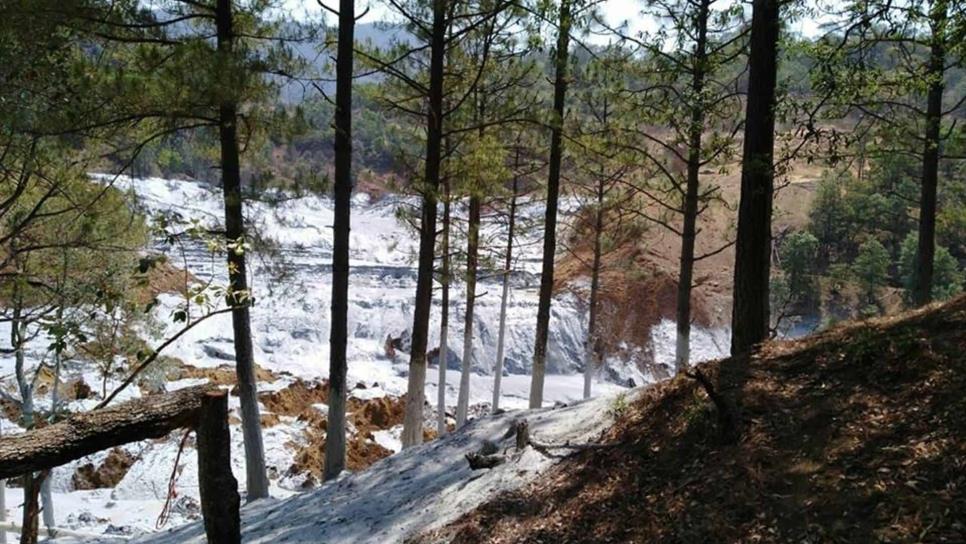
(857, 434)
(220, 375)
(636, 290)
(107, 475)
(366, 416)
(164, 277)
(9, 410)
(645, 260)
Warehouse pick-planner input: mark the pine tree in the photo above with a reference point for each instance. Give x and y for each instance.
(335, 435)
(750, 313)
(561, 77)
(686, 83)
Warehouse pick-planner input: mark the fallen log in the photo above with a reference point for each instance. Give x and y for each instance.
(82, 434)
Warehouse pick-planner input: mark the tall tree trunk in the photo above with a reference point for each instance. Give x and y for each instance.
(3, 501)
(926, 248)
(416, 393)
(31, 488)
(444, 316)
(507, 266)
(472, 263)
(335, 439)
(46, 496)
(592, 347)
(561, 76)
(239, 297)
(749, 317)
(682, 352)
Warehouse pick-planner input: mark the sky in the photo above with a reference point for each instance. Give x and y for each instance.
(616, 12)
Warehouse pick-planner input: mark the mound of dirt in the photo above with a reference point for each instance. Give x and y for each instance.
(107, 475)
(300, 399)
(857, 434)
(219, 375)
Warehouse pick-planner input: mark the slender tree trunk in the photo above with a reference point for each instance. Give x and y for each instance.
(592, 348)
(749, 318)
(561, 76)
(335, 438)
(507, 266)
(926, 248)
(416, 392)
(46, 496)
(47, 502)
(31, 488)
(682, 353)
(31, 508)
(239, 297)
(472, 264)
(3, 501)
(444, 316)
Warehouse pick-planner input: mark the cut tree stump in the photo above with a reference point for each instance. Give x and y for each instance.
(522, 430)
(479, 461)
(219, 489)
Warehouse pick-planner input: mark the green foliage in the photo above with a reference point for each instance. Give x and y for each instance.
(798, 255)
(947, 278)
(830, 219)
(619, 405)
(871, 269)
(481, 167)
(853, 218)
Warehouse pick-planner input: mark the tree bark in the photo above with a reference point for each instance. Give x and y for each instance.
(3, 500)
(416, 392)
(926, 247)
(592, 349)
(335, 438)
(444, 316)
(682, 352)
(217, 485)
(507, 267)
(47, 502)
(472, 264)
(31, 507)
(561, 76)
(239, 297)
(31, 487)
(749, 318)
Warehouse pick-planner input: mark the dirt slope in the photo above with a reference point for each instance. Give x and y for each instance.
(854, 435)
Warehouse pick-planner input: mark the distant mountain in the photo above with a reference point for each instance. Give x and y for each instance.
(380, 35)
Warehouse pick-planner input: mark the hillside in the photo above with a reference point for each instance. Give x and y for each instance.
(420, 487)
(854, 435)
(639, 274)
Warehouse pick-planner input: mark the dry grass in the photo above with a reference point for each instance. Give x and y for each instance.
(854, 435)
